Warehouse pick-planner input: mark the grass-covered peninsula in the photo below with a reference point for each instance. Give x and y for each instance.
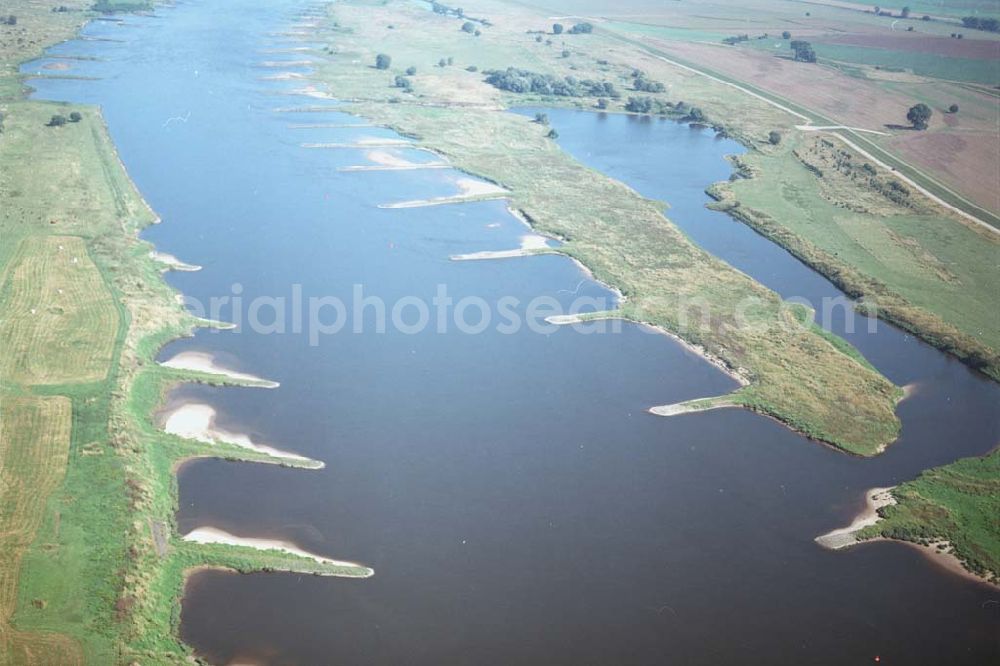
(952, 510)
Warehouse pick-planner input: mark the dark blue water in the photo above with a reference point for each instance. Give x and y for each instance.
(515, 500)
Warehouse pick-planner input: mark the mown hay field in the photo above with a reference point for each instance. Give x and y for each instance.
(59, 319)
(34, 450)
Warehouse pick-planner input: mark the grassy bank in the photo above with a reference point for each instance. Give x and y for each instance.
(91, 567)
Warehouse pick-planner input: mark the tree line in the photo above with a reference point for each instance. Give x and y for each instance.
(517, 80)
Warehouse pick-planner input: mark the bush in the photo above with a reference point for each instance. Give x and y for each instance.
(642, 84)
(382, 61)
(542, 118)
(57, 121)
(953, 108)
(774, 137)
(411, 70)
(581, 29)
(786, 35)
(565, 53)
(10, 20)
(552, 134)
(75, 117)
(442, 63)
(557, 28)
(602, 103)
(403, 82)
(469, 27)
(472, 68)
(538, 38)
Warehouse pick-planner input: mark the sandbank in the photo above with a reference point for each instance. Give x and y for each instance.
(172, 262)
(197, 421)
(204, 362)
(213, 535)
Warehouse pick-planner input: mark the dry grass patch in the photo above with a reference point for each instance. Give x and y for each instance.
(59, 319)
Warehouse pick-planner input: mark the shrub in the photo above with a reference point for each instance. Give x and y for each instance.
(552, 134)
(411, 70)
(75, 117)
(469, 27)
(774, 137)
(542, 118)
(581, 29)
(382, 61)
(57, 121)
(602, 103)
(786, 35)
(953, 108)
(557, 28)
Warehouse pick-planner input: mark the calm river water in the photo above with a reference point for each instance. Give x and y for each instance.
(517, 503)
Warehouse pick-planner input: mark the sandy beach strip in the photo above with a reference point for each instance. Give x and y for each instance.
(283, 76)
(286, 63)
(470, 189)
(195, 420)
(363, 143)
(843, 537)
(172, 262)
(530, 245)
(328, 125)
(693, 406)
(213, 535)
(204, 362)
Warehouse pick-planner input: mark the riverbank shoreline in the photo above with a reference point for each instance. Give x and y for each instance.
(936, 552)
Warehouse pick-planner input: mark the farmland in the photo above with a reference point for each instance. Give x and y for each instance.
(55, 300)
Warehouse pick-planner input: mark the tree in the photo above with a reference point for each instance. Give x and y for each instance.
(472, 68)
(538, 38)
(403, 82)
(411, 70)
(602, 103)
(953, 108)
(786, 35)
(451, 61)
(925, 17)
(803, 51)
(542, 118)
(10, 20)
(382, 61)
(581, 29)
(565, 53)
(442, 63)
(774, 137)
(75, 117)
(918, 116)
(557, 28)
(469, 27)
(57, 121)
(552, 134)
(905, 12)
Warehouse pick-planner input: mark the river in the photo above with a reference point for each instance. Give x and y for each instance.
(515, 499)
